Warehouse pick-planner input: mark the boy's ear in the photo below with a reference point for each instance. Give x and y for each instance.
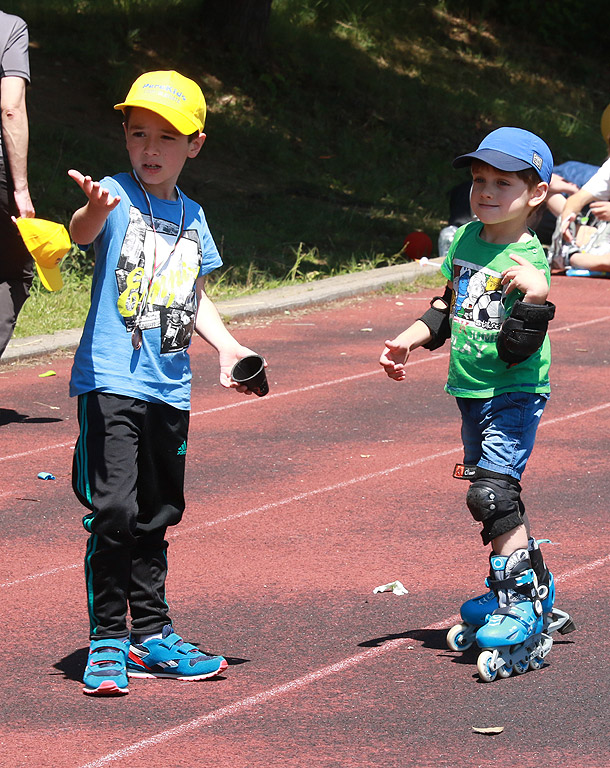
(196, 144)
(538, 193)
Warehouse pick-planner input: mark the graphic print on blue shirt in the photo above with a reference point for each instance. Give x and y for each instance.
(169, 293)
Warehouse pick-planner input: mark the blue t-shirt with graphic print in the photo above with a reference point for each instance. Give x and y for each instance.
(128, 251)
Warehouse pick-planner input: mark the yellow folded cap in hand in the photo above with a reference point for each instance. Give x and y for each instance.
(48, 242)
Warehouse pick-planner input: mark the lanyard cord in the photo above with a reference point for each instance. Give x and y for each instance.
(156, 268)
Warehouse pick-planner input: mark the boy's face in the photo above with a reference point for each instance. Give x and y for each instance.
(158, 151)
(499, 197)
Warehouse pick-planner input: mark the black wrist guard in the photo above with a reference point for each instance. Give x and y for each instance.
(523, 332)
(437, 321)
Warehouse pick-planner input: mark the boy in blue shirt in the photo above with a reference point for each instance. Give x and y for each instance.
(495, 312)
(132, 377)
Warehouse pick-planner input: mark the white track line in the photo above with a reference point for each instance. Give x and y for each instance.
(239, 404)
(581, 324)
(575, 415)
(332, 382)
(583, 568)
(298, 391)
(34, 576)
(326, 489)
(264, 508)
(244, 704)
(257, 699)
(310, 494)
(41, 449)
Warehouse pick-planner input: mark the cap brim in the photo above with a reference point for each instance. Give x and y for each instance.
(50, 278)
(493, 157)
(181, 123)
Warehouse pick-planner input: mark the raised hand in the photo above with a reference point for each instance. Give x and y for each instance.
(97, 195)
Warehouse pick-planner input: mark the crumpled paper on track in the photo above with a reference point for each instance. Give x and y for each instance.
(394, 586)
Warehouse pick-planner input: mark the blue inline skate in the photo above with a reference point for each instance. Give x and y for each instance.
(537, 588)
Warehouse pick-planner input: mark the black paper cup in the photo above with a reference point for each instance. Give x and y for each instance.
(250, 371)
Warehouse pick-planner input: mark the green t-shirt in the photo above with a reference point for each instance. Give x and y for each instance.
(478, 307)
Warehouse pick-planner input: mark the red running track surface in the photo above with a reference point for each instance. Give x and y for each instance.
(298, 505)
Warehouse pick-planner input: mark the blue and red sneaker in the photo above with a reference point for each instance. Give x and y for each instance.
(106, 673)
(170, 656)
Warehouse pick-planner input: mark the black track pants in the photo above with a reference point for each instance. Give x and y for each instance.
(128, 470)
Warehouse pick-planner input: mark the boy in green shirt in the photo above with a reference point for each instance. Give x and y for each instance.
(495, 312)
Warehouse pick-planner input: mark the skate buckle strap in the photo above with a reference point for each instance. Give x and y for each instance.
(513, 611)
(512, 582)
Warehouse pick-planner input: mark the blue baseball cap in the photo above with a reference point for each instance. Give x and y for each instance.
(512, 149)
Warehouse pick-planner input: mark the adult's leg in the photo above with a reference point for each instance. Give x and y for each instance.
(16, 264)
(13, 294)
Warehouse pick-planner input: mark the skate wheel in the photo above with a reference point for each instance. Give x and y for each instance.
(486, 673)
(521, 667)
(456, 639)
(536, 662)
(505, 671)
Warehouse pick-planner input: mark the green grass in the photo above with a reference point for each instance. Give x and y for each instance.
(46, 311)
(323, 153)
(67, 308)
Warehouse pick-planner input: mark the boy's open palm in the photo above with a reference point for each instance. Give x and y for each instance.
(393, 359)
(97, 195)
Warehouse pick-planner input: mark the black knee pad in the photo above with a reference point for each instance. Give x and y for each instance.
(495, 500)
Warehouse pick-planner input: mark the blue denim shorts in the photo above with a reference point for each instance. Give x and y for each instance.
(499, 433)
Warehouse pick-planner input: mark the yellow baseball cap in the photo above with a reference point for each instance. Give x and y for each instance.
(605, 123)
(48, 242)
(171, 95)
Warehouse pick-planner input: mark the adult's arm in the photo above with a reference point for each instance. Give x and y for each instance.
(15, 134)
(574, 204)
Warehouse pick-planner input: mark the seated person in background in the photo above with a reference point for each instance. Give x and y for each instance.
(566, 180)
(583, 242)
